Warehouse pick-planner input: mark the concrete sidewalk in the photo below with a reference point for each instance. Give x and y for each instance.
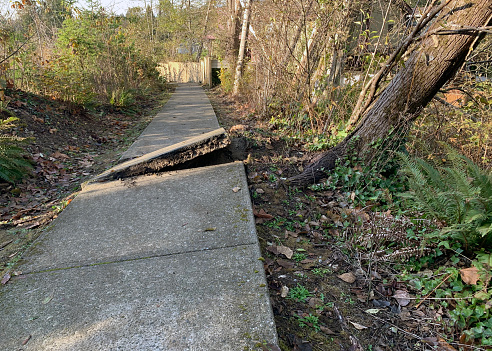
(156, 262)
(188, 113)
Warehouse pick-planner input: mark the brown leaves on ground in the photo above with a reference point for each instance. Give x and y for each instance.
(308, 223)
(347, 277)
(262, 214)
(5, 278)
(402, 297)
(281, 250)
(470, 275)
(439, 343)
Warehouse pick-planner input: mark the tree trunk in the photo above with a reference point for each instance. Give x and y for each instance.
(429, 67)
(242, 47)
(233, 25)
(205, 26)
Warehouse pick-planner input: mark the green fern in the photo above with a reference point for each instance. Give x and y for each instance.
(13, 165)
(459, 195)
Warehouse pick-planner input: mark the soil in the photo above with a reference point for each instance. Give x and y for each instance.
(309, 247)
(325, 296)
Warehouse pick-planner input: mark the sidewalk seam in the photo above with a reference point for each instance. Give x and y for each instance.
(140, 258)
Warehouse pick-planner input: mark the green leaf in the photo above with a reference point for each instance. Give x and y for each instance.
(485, 229)
(485, 258)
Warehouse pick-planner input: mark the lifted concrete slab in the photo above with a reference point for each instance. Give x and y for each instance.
(147, 216)
(160, 262)
(153, 162)
(188, 113)
(209, 300)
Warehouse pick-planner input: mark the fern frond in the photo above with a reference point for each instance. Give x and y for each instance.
(13, 165)
(459, 195)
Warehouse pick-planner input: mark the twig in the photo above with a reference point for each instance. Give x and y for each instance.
(373, 84)
(397, 327)
(460, 30)
(17, 50)
(441, 283)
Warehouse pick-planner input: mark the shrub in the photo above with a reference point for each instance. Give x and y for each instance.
(458, 195)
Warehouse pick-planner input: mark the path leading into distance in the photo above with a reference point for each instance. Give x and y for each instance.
(166, 261)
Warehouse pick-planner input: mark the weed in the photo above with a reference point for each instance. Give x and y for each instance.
(363, 183)
(310, 198)
(272, 178)
(298, 257)
(321, 271)
(469, 314)
(276, 223)
(299, 293)
(347, 298)
(309, 321)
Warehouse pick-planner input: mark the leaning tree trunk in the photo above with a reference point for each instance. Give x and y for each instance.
(442, 52)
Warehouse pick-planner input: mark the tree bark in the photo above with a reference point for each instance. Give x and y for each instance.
(233, 25)
(242, 47)
(430, 66)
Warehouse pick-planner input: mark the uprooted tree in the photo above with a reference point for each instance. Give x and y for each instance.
(438, 52)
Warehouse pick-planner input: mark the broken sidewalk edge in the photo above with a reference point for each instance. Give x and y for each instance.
(166, 157)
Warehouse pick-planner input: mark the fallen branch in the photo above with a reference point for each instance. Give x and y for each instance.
(441, 283)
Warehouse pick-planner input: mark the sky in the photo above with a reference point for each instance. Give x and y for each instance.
(120, 6)
(117, 6)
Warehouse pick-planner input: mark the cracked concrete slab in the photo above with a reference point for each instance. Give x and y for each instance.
(146, 216)
(169, 156)
(165, 261)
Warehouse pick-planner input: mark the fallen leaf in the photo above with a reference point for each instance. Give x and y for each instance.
(373, 310)
(292, 234)
(285, 263)
(281, 250)
(211, 229)
(262, 214)
(402, 297)
(347, 277)
(86, 163)
(441, 344)
(5, 278)
(470, 275)
(307, 260)
(358, 326)
(488, 304)
(327, 330)
(238, 128)
(236, 189)
(260, 191)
